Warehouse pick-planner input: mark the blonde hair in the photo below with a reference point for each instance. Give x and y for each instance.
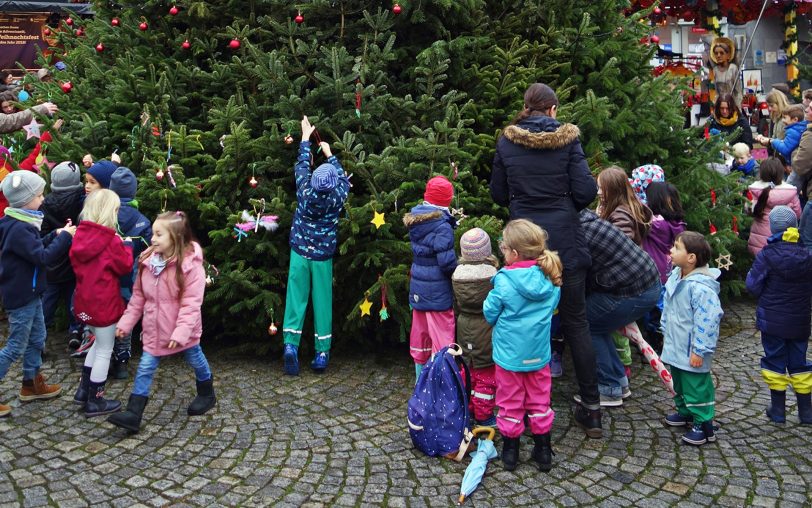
(180, 234)
(530, 242)
(741, 150)
(779, 102)
(102, 207)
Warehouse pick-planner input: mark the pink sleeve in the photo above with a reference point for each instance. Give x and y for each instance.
(190, 305)
(795, 204)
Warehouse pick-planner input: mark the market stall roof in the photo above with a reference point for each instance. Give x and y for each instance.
(738, 12)
(44, 6)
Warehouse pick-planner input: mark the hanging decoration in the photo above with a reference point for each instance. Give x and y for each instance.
(735, 226)
(211, 274)
(99, 47)
(366, 306)
(712, 229)
(288, 139)
(299, 19)
(253, 180)
(173, 11)
(790, 46)
(257, 220)
(143, 26)
(186, 44)
(456, 170)
(32, 129)
(713, 197)
(115, 22)
(272, 329)
(379, 220)
(67, 87)
(723, 261)
(384, 312)
(396, 9)
(234, 44)
(358, 88)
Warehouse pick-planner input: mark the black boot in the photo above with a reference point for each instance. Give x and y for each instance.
(118, 369)
(205, 398)
(804, 408)
(589, 420)
(543, 451)
(777, 412)
(82, 390)
(131, 418)
(96, 404)
(510, 453)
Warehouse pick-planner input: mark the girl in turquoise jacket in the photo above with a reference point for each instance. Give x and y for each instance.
(520, 309)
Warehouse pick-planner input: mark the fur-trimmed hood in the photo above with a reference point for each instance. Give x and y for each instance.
(542, 132)
(422, 214)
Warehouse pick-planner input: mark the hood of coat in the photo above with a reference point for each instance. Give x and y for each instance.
(91, 240)
(530, 283)
(192, 258)
(792, 260)
(542, 132)
(674, 227)
(422, 219)
(705, 276)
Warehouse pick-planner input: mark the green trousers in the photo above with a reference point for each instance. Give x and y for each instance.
(695, 396)
(306, 276)
(624, 350)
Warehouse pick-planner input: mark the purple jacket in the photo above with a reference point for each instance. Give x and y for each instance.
(781, 278)
(658, 243)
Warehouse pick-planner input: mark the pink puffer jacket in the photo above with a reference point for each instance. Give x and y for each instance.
(164, 317)
(784, 194)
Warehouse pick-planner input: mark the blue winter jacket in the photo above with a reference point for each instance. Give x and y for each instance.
(315, 224)
(24, 256)
(431, 231)
(520, 309)
(791, 141)
(691, 316)
(134, 224)
(781, 278)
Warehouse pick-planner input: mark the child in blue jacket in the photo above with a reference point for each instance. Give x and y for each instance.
(781, 278)
(320, 198)
(24, 256)
(431, 296)
(690, 322)
(134, 225)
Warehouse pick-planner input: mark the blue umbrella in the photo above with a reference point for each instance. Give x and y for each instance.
(479, 461)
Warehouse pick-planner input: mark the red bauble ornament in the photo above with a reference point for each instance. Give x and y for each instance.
(47, 32)
(712, 229)
(272, 329)
(396, 9)
(159, 175)
(655, 39)
(253, 182)
(288, 139)
(658, 11)
(174, 11)
(234, 44)
(115, 22)
(299, 19)
(69, 21)
(67, 86)
(143, 26)
(186, 44)
(100, 47)
(80, 32)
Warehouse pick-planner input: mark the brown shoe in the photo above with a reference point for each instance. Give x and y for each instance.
(4, 409)
(37, 389)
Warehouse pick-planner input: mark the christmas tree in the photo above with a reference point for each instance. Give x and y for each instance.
(199, 99)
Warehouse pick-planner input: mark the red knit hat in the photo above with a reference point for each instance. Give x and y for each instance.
(439, 191)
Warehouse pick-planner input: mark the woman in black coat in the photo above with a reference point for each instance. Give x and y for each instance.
(726, 118)
(540, 172)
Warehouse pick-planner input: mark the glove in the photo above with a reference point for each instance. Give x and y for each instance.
(715, 132)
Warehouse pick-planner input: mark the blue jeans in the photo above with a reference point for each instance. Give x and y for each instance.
(805, 228)
(50, 301)
(149, 364)
(26, 336)
(607, 313)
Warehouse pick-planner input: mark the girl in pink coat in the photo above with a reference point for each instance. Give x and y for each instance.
(769, 191)
(168, 294)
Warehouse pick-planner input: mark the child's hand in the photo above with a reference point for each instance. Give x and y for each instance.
(172, 344)
(307, 129)
(696, 360)
(325, 148)
(68, 229)
(87, 160)
(114, 157)
(58, 124)
(120, 333)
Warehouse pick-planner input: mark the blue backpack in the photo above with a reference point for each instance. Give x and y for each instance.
(438, 409)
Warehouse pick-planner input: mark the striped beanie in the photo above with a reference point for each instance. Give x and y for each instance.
(475, 245)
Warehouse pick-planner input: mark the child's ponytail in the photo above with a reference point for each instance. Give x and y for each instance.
(772, 172)
(550, 264)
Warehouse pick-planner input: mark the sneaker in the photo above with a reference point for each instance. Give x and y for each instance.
(696, 436)
(606, 401)
(556, 369)
(319, 363)
(678, 420)
(710, 431)
(87, 342)
(627, 392)
(291, 360)
(74, 339)
(488, 422)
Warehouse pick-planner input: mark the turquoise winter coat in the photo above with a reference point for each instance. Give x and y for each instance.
(520, 309)
(691, 316)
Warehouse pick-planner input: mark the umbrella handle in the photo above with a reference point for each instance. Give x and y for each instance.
(490, 431)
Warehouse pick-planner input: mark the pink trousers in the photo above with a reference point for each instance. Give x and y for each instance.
(431, 331)
(520, 393)
(483, 392)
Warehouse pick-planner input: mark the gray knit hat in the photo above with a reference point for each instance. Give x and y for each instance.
(66, 176)
(781, 218)
(475, 245)
(20, 187)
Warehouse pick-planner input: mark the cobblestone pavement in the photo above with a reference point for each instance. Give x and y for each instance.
(341, 439)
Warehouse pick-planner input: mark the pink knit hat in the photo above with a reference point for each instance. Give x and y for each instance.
(475, 245)
(439, 191)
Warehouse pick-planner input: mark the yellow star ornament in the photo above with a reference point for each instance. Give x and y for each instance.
(379, 220)
(365, 307)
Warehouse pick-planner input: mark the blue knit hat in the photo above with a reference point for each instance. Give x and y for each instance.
(781, 218)
(124, 183)
(324, 178)
(102, 171)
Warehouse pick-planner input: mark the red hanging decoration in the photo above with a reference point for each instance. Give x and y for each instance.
(396, 9)
(358, 97)
(735, 225)
(156, 131)
(706, 134)
(712, 229)
(749, 195)
(713, 197)
(299, 19)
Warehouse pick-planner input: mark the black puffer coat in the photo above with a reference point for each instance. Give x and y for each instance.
(58, 207)
(540, 172)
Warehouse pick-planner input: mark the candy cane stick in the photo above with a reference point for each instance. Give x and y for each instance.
(632, 331)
